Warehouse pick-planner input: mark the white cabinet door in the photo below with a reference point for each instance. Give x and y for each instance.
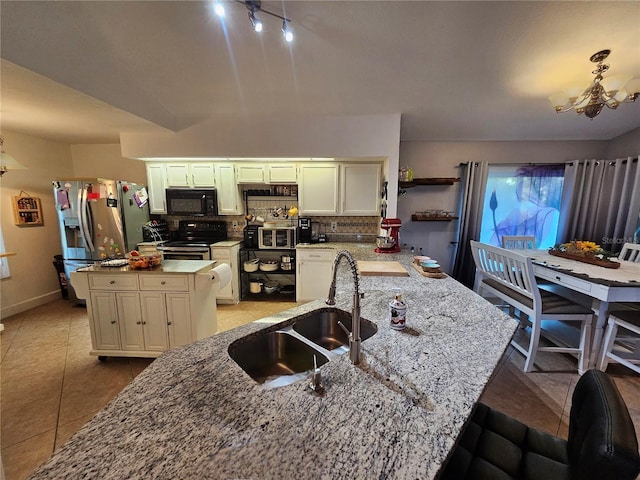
(318, 189)
(154, 321)
(229, 197)
(282, 173)
(178, 175)
(130, 321)
(315, 267)
(360, 189)
(105, 320)
(179, 319)
(202, 174)
(251, 173)
(156, 185)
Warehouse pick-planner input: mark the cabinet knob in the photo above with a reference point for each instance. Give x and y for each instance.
(168, 323)
(112, 282)
(144, 323)
(113, 322)
(163, 282)
(138, 323)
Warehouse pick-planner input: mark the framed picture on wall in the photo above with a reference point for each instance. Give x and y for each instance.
(27, 211)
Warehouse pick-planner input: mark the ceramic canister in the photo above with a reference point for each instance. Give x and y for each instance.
(397, 312)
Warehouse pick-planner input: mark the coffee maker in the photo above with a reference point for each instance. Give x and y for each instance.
(304, 230)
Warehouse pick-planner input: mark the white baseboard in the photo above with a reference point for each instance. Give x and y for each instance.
(29, 304)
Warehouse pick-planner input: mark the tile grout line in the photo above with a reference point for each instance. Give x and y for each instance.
(64, 373)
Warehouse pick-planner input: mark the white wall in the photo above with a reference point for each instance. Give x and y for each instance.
(626, 145)
(442, 159)
(33, 279)
(106, 161)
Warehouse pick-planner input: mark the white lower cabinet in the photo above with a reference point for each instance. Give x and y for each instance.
(144, 314)
(315, 267)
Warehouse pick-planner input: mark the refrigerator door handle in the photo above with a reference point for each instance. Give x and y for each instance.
(85, 220)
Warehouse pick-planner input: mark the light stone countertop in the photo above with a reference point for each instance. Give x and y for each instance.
(167, 266)
(193, 413)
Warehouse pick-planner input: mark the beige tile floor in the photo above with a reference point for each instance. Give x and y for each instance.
(50, 386)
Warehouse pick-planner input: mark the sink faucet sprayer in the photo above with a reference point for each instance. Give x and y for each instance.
(354, 336)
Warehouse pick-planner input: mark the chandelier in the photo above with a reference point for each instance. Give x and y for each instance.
(610, 91)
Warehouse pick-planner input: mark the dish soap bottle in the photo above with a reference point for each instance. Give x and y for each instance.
(397, 312)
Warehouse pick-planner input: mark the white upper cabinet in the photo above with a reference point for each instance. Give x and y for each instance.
(282, 173)
(228, 191)
(360, 189)
(190, 174)
(156, 185)
(318, 189)
(202, 174)
(250, 173)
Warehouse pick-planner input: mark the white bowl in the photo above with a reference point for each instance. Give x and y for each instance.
(269, 267)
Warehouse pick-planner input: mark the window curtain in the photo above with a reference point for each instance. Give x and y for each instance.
(601, 202)
(471, 205)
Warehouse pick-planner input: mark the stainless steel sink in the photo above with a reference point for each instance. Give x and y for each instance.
(321, 327)
(274, 354)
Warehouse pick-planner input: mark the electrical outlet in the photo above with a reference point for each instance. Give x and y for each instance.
(334, 226)
(235, 224)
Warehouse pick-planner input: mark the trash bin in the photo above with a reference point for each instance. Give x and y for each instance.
(62, 278)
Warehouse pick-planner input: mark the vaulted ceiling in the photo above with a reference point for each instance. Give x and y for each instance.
(84, 71)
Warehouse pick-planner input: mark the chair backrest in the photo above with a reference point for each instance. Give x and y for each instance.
(630, 252)
(518, 242)
(602, 441)
(509, 268)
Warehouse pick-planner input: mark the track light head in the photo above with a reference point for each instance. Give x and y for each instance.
(286, 31)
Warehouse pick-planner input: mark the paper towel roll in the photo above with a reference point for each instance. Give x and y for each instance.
(221, 274)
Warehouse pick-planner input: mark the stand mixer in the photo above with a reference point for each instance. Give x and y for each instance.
(389, 243)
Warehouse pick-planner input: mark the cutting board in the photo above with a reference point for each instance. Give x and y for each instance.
(382, 269)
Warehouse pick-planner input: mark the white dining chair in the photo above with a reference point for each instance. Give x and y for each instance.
(519, 242)
(614, 347)
(630, 252)
(509, 275)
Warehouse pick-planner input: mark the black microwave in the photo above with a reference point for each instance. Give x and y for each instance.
(198, 202)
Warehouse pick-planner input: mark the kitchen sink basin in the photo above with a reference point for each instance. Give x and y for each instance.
(321, 327)
(274, 354)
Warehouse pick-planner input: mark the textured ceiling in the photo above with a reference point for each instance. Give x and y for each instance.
(83, 72)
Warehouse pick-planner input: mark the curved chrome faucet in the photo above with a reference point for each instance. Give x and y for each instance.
(354, 336)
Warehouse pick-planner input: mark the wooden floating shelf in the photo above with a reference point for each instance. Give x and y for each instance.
(418, 218)
(429, 181)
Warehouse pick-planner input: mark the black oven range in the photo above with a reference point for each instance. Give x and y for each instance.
(194, 240)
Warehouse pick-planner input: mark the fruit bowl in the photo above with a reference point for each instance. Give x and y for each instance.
(143, 261)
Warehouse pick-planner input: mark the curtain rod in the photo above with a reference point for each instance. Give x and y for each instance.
(611, 162)
(464, 164)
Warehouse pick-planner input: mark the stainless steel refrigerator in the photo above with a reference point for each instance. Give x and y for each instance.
(98, 219)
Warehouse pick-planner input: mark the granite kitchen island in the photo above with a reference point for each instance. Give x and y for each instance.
(194, 413)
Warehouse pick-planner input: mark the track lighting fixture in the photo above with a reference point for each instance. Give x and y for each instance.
(255, 7)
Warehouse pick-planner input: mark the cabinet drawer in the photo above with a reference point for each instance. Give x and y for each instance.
(175, 283)
(121, 281)
(568, 281)
(316, 255)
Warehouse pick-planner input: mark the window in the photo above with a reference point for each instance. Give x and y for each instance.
(522, 200)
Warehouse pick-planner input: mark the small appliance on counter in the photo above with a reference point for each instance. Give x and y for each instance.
(251, 236)
(389, 243)
(304, 230)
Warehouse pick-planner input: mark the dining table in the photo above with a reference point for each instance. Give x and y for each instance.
(603, 285)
